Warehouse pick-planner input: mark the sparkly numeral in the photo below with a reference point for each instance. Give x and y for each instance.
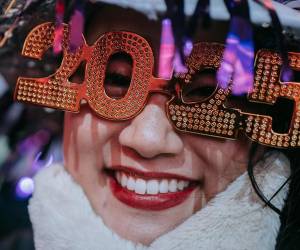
(267, 88)
(56, 91)
(136, 96)
(53, 91)
(209, 117)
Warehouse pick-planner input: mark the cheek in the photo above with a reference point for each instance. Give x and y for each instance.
(84, 138)
(80, 132)
(220, 153)
(221, 160)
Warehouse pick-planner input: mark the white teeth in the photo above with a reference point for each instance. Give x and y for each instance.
(164, 186)
(140, 186)
(131, 184)
(152, 187)
(118, 176)
(173, 185)
(180, 185)
(124, 180)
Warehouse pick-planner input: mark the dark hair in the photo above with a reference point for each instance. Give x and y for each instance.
(289, 232)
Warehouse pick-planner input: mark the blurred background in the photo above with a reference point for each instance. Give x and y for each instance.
(30, 137)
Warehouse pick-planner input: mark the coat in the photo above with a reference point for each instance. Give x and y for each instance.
(235, 219)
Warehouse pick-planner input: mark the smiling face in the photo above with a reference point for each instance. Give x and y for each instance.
(141, 176)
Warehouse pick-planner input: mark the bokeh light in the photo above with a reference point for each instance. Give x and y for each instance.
(25, 187)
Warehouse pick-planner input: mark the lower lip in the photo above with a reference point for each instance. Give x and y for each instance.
(149, 202)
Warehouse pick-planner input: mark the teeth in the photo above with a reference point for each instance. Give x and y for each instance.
(124, 180)
(140, 186)
(164, 186)
(153, 187)
(118, 176)
(180, 185)
(173, 185)
(131, 184)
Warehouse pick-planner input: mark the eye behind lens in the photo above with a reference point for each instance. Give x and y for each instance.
(202, 86)
(118, 75)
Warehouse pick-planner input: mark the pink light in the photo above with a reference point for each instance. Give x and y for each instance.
(76, 24)
(167, 50)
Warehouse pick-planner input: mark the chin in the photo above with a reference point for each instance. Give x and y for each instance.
(142, 218)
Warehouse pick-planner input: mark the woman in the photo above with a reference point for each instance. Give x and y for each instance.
(140, 183)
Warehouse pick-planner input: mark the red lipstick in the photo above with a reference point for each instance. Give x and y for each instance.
(154, 202)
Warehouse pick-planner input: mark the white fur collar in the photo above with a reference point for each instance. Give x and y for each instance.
(235, 219)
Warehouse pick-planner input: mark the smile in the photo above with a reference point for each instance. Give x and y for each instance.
(148, 190)
(152, 186)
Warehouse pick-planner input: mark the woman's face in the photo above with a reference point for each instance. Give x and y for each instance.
(141, 176)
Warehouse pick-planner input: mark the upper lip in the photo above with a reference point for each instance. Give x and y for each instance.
(148, 175)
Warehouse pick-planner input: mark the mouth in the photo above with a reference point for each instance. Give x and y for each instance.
(149, 190)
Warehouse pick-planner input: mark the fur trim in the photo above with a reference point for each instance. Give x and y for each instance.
(235, 219)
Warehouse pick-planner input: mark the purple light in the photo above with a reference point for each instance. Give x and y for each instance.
(238, 57)
(188, 47)
(25, 187)
(287, 74)
(179, 67)
(39, 164)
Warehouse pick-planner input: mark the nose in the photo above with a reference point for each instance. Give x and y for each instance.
(150, 133)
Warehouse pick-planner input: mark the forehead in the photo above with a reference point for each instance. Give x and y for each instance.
(112, 18)
(106, 18)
